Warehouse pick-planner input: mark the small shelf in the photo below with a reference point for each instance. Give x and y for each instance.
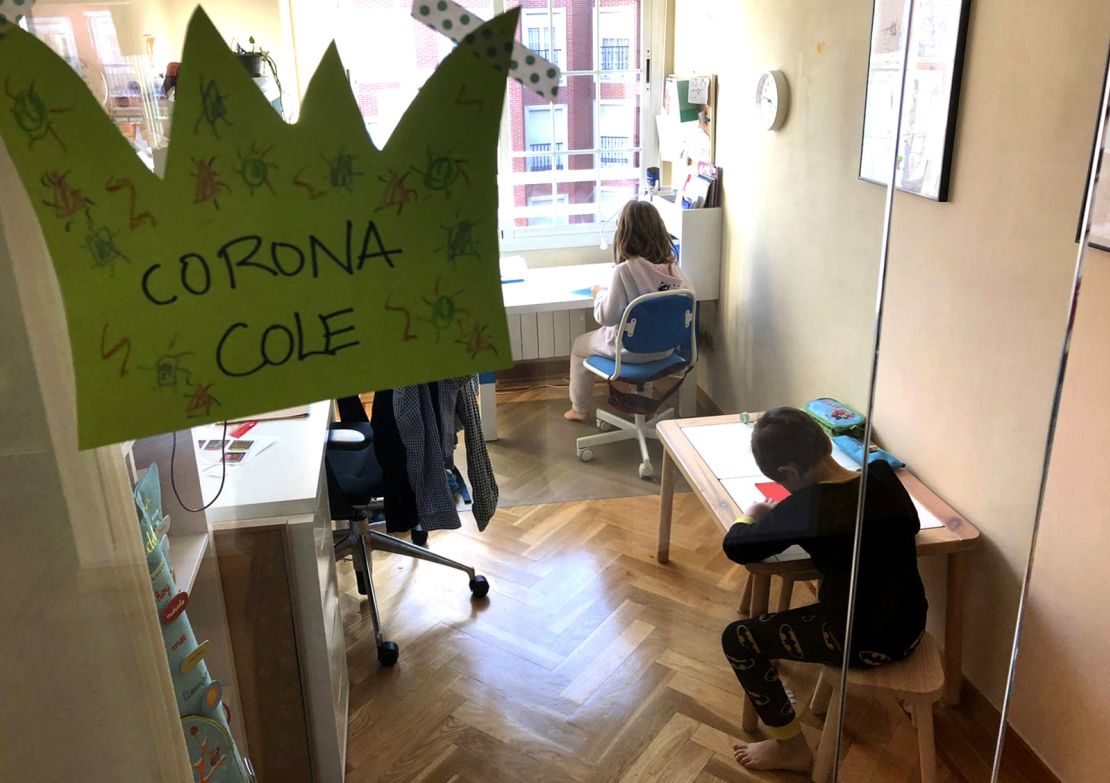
(186, 553)
(698, 232)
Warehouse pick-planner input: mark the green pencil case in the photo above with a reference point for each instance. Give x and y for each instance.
(835, 417)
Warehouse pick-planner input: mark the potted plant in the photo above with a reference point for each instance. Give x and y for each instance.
(254, 58)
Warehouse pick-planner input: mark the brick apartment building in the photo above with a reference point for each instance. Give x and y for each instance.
(578, 154)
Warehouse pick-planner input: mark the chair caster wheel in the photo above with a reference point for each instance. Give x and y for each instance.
(361, 580)
(585, 455)
(387, 653)
(479, 586)
(645, 470)
(599, 424)
(419, 537)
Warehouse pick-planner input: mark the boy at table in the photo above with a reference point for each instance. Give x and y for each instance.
(820, 516)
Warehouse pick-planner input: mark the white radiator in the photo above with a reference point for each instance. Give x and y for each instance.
(546, 335)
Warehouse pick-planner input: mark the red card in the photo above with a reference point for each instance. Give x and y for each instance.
(243, 429)
(772, 491)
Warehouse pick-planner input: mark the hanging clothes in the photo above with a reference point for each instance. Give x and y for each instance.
(415, 430)
(483, 484)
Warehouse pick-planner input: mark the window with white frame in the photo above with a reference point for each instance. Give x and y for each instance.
(545, 135)
(545, 34)
(57, 33)
(556, 160)
(617, 124)
(119, 74)
(616, 30)
(542, 213)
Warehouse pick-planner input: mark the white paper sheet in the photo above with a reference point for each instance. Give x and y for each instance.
(725, 448)
(742, 490)
(928, 519)
(699, 90)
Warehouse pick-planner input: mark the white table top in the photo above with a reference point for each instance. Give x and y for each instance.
(282, 480)
(553, 288)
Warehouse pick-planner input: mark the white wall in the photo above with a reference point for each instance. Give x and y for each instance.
(1061, 698)
(83, 673)
(977, 295)
(802, 233)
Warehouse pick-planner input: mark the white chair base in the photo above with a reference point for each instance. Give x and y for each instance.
(640, 428)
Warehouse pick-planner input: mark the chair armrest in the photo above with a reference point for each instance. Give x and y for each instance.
(346, 440)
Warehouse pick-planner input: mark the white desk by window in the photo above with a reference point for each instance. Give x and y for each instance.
(272, 528)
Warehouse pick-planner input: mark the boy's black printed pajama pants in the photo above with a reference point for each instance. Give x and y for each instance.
(808, 633)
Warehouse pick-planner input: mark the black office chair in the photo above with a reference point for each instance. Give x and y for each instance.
(354, 493)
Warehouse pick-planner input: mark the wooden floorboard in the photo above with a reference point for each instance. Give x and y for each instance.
(589, 662)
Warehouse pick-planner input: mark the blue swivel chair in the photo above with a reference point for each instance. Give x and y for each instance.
(652, 324)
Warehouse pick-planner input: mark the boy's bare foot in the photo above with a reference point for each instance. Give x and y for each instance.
(793, 754)
(573, 415)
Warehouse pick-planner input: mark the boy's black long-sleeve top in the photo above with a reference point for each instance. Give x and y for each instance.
(890, 603)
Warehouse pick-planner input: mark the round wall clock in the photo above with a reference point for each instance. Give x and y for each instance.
(772, 97)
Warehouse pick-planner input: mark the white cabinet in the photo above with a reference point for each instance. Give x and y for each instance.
(698, 235)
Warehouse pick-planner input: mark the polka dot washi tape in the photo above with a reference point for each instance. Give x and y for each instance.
(14, 10)
(534, 72)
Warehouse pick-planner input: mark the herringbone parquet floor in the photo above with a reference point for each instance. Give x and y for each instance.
(589, 661)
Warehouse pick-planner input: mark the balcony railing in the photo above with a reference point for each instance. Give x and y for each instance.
(615, 55)
(614, 151)
(122, 80)
(545, 162)
(553, 56)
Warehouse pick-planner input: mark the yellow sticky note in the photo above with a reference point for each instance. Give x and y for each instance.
(195, 657)
(275, 264)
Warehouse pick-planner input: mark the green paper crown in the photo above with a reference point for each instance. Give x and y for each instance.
(275, 264)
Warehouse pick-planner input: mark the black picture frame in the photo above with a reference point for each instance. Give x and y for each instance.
(944, 23)
(1099, 238)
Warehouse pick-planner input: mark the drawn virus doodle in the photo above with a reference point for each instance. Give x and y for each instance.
(460, 240)
(100, 241)
(442, 172)
(209, 184)
(255, 169)
(213, 110)
(123, 344)
(341, 170)
(169, 369)
(32, 115)
(68, 199)
(134, 220)
(476, 340)
(200, 400)
(443, 310)
(408, 318)
(313, 192)
(396, 193)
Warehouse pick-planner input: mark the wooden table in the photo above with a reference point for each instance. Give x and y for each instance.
(953, 540)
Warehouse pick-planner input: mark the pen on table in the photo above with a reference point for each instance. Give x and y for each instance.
(242, 429)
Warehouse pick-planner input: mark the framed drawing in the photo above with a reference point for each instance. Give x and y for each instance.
(934, 71)
(1099, 232)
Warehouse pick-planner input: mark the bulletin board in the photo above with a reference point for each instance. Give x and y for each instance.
(687, 126)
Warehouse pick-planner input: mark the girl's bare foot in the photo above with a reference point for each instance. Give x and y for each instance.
(793, 754)
(573, 415)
